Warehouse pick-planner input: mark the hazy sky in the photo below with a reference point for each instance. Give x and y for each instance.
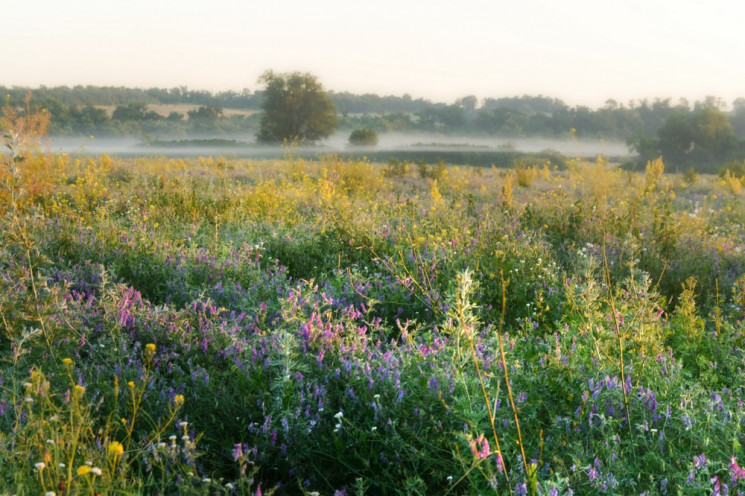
(582, 51)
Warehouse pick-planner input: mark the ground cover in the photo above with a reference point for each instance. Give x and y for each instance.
(332, 326)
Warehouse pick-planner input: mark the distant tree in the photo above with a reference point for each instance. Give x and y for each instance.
(295, 107)
(134, 112)
(205, 113)
(365, 136)
(175, 116)
(703, 138)
(467, 103)
(737, 117)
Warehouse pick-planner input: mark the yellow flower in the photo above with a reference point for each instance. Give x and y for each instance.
(84, 470)
(79, 389)
(116, 448)
(150, 348)
(178, 399)
(131, 384)
(67, 361)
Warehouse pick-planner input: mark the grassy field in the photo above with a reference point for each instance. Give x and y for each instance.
(214, 326)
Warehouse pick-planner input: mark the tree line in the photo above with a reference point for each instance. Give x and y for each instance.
(699, 134)
(79, 108)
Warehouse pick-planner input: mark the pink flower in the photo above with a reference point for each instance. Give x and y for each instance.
(737, 472)
(480, 447)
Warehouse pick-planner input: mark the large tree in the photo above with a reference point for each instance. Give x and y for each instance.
(296, 107)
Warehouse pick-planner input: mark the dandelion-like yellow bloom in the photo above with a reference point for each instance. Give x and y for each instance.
(116, 448)
(131, 384)
(178, 399)
(84, 470)
(150, 348)
(79, 389)
(67, 361)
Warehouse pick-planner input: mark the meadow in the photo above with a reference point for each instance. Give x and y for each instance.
(335, 326)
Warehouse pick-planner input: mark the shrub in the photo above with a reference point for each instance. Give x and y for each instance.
(365, 136)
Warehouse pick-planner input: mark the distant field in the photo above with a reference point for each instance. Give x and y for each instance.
(165, 109)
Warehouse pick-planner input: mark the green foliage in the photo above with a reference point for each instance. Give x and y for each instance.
(690, 176)
(364, 136)
(134, 112)
(735, 168)
(79, 110)
(703, 139)
(395, 168)
(295, 108)
(312, 326)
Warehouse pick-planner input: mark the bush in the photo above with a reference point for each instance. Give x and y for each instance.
(363, 137)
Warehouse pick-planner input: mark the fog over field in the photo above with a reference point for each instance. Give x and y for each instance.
(247, 147)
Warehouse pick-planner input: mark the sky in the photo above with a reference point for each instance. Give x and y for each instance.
(581, 51)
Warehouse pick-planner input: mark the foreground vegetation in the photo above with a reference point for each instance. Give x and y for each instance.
(337, 327)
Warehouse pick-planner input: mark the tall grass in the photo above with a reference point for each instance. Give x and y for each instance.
(217, 326)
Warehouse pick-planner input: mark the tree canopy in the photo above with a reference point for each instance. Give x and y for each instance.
(703, 138)
(295, 107)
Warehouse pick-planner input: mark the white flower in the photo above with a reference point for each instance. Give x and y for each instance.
(96, 471)
(206, 480)
(61, 465)
(29, 400)
(50, 493)
(50, 441)
(90, 464)
(339, 415)
(374, 428)
(229, 485)
(40, 466)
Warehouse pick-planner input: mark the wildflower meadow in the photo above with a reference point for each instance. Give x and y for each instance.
(340, 327)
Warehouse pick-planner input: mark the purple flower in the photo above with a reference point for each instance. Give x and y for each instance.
(737, 472)
(592, 474)
(237, 451)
